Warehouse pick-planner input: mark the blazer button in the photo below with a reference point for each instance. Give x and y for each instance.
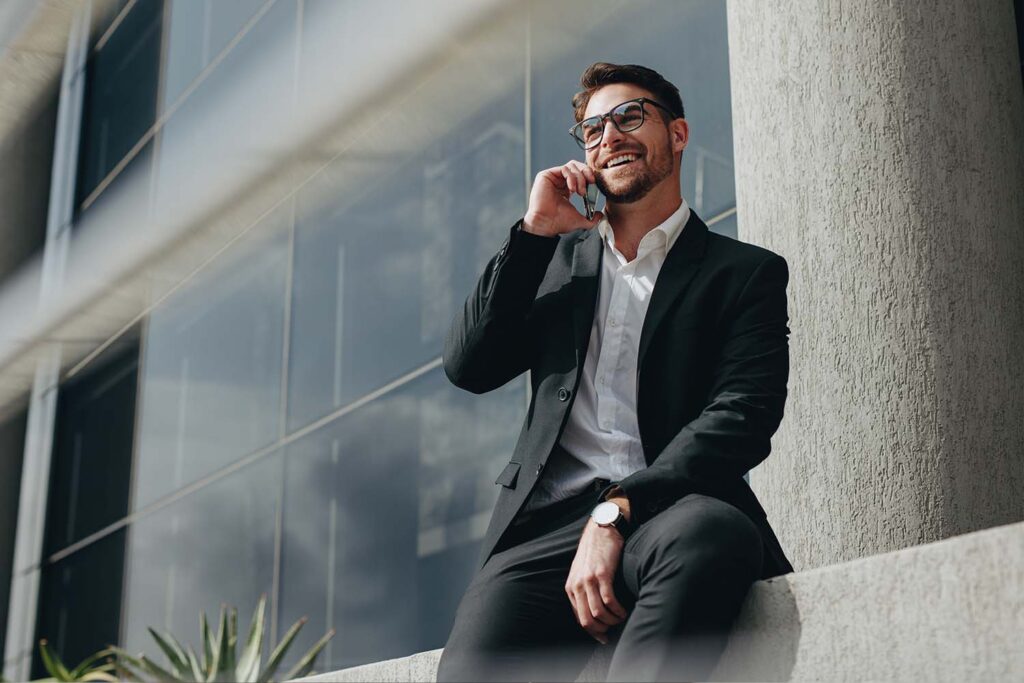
(540, 468)
(563, 394)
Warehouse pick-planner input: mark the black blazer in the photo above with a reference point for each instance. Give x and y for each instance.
(712, 367)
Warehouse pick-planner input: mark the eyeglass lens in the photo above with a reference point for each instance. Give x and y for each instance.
(626, 117)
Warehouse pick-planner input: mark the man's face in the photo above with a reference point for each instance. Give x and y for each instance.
(651, 143)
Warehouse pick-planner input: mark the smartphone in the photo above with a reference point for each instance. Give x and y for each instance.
(590, 200)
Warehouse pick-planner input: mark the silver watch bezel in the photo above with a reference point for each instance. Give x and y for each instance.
(605, 510)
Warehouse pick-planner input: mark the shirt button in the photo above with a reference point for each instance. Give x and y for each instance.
(563, 394)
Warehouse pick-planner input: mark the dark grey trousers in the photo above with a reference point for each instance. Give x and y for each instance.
(683, 577)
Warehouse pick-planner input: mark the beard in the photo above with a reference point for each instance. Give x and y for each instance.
(636, 180)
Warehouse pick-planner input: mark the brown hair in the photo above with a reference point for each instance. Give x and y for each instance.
(600, 74)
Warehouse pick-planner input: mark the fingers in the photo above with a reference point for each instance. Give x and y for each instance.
(577, 175)
(585, 617)
(609, 600)
(595, 607)
(603, 619)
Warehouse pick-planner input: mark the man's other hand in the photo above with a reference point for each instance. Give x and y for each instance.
(589, 585)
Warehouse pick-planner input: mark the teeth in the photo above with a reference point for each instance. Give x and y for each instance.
(625, 158)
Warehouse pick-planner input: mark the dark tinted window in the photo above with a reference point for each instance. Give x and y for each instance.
(12, 448)
(91, 465)
(80, 602)
(121, 79)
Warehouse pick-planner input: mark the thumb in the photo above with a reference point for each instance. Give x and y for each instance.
(598, 217)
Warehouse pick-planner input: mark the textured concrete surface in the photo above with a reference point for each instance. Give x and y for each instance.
(945, 611)
(879, 149)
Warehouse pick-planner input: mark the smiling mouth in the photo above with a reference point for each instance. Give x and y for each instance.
(620, 161)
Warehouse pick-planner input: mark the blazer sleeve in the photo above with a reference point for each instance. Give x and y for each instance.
(745, 405)
(489, 342)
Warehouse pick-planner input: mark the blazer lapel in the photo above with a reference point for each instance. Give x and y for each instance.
(680, 266)
(586, 276)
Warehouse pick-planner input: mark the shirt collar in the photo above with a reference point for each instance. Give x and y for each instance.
(666, 233)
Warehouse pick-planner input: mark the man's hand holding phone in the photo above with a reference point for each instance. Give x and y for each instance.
(550, 212)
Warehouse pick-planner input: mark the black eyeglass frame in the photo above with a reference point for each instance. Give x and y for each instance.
(608, 115)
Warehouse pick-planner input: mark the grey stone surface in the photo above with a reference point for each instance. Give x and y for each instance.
(945, 611)
(878, 147)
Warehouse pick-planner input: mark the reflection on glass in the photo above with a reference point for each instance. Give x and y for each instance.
(213, 546)
(390, 242)
(384, 511)
(226, 128)
(197, 31)
(724, 223)
(685, 42)
(80, 602)
(211, 374)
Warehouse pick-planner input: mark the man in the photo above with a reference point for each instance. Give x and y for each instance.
(658, 354)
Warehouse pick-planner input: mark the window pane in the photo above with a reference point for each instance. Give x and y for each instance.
(686, 42)
(226, 128)
(80, 602)
(384, 512)
(92, 453)
(211, 373)
(120, 94)
(198, 31)
(12, 450)
(392, 234)
(213, 546)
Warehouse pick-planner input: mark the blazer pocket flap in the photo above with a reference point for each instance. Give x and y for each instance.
(508, 476)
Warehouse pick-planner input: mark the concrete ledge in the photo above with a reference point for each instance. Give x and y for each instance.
(946, 611)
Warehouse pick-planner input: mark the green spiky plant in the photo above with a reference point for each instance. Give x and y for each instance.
(218, 661)
(90, 669)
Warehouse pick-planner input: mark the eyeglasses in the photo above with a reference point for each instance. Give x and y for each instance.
(627, 117)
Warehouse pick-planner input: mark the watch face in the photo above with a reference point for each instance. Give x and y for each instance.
(605, 513)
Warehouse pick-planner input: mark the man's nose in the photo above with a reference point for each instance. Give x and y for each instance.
(611, 133)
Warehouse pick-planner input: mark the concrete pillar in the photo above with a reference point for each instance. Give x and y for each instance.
(42, 408)
(880, 149)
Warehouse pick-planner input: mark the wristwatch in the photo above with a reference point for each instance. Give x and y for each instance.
(608, 514)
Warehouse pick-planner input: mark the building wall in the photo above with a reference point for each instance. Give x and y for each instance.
(294, 434)
(328, 179)
(24, 187)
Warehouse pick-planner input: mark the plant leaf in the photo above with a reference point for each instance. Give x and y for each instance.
(158, 671)
(193, 661)
(229, 659)
(278, 654)
(173, 650)
(306, 663)
(219, 646)
(249, 661)
(125, 671)
(207, 638)
(86, 665)
(52, 662)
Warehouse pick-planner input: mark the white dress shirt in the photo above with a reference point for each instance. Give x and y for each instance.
(602, 437)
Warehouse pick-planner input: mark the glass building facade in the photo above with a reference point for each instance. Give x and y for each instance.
(277, 422)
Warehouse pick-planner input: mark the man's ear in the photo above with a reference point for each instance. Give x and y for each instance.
(679, 130)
